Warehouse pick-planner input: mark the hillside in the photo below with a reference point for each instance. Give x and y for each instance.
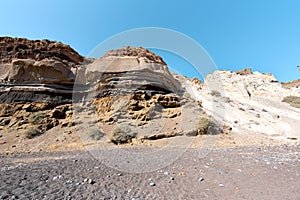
(60, 100)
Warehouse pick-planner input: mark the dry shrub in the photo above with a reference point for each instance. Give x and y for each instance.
(123, 135)
(293, 101)
(33, 132)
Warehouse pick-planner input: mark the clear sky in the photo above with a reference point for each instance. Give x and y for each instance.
(261, 34)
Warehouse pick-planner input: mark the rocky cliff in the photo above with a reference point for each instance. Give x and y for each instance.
(128, 70)
(132, 90)
(129, 95)
(126, 89)
(251, 102)
(37, 70)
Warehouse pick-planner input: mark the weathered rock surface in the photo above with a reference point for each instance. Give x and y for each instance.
(33, 117)
(133, 89)
(136, 106)
(291, 84)
(250, 103)
(39, 61)
(21, 48)
(40, 78)
(247, 71)
(130, 69)
(37, 70)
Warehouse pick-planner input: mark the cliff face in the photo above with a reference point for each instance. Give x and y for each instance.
(128, 87)
(133, 88)
(251, 102)
(37, 61)
(37, 70)
(21, 48)
(129, 70)
(43, 71)
(129, 95)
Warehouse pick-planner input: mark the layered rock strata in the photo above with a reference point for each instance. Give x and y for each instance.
(40, 79)
(37, 70)
(251, 102)
(128, 70)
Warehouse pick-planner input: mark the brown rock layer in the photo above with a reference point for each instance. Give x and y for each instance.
(37, 70)
(21, 48)
(136, 52)
(244, 72)
(39, 80)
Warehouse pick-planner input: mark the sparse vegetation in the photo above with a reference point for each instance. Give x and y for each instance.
(37, 118)
(293, 101)
(215, 93)
(43, 120)
(95, 134)
(33, 132)
(208, 126)
(203, 126)
(123, 135)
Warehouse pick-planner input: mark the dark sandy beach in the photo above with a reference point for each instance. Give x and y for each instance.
(225, 173)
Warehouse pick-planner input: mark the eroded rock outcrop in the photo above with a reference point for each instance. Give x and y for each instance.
(251, 102)
(133, 88)
(21, 48)
(129, 86)
(244, 72)
(37, 70)
(130, 69)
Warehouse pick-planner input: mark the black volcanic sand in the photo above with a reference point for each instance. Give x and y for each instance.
(225, 173)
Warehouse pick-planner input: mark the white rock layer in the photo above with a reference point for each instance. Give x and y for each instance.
(249, 103)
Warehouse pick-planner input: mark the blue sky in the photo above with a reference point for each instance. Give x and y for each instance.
(263, 35)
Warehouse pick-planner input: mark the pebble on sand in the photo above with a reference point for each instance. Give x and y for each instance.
(91, 181)
(152, 184)
(201, 179)
(88, 180)
(57, 177)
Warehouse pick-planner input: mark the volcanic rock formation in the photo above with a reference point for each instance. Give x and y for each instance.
(131, 69)
(129, 95)
(128, 87)
(37, 70)
(133, 88)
